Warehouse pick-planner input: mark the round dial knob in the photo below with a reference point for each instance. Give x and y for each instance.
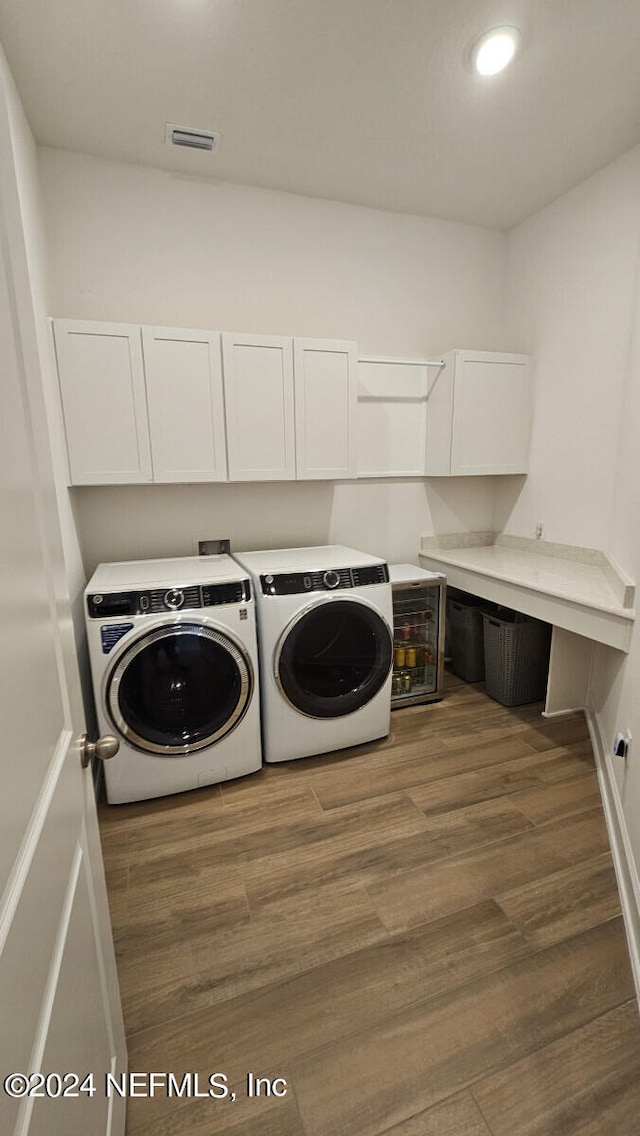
(174, 598)
(331, 579)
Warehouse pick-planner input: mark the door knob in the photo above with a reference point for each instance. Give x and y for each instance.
(107, 746)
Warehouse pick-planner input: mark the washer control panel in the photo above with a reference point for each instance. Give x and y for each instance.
(155, 601)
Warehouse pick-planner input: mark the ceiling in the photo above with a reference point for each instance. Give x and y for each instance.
(365, 101)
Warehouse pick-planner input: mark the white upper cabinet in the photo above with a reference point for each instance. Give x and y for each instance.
(183, 372)
(325, 402)
(479, 414)
(259, 404)
(102, 387)
(168, 404)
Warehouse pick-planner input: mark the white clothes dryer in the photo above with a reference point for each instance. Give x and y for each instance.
(325, 621)
(174, 660)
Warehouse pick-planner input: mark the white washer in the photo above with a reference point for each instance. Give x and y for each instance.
(325, 623)
(174, 659)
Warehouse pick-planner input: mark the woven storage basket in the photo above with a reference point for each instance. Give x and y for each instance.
(467, 639)
(516, 659)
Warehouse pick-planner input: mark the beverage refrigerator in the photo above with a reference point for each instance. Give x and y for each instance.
(418, 634)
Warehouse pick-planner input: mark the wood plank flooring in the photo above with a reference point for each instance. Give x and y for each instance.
(422, 936)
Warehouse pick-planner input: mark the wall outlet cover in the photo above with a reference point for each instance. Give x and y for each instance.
(622, 744)
(214, 547)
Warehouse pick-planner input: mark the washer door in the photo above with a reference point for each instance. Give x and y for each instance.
(178, 689)
(333, 658)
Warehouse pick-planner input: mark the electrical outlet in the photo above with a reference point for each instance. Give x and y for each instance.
(622, 745)
(214, 547)
(539, 530)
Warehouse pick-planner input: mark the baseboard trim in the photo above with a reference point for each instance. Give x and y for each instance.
(563, 713)
(625, 869)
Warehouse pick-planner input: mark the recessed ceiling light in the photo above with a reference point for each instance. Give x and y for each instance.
(495, 50)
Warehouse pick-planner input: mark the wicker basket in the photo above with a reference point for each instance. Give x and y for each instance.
(464, 620)
(516, 658)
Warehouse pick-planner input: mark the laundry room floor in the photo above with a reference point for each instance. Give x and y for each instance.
(421, 936)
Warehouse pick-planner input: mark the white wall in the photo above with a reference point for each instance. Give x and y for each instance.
(575, 303)
(615, 688)
(571, 284)
(380, 517)
(136, 244)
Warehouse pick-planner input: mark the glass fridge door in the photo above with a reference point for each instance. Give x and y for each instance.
(417, 647)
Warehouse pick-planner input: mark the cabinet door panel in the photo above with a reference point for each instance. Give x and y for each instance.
(103, 401)
(325, 398)
(490, 417)
(186, 408)
(259, 407)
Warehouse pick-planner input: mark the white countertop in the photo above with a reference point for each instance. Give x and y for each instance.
(567, 579)
(562, 590)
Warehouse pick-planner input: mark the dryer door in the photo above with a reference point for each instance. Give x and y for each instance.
(178, 688)
(333, 658)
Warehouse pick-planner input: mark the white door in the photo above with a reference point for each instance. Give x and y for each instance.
(491, 413)
(58, 987)
(183, 372)
(325, 407)
(104, 402)
(259, 406)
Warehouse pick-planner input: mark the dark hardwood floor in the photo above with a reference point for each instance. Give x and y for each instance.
(422, 936)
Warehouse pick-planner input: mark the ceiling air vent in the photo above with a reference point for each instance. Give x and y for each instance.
(193, 139)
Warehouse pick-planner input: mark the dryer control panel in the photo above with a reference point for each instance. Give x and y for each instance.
(155, 601)
(332, 579)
